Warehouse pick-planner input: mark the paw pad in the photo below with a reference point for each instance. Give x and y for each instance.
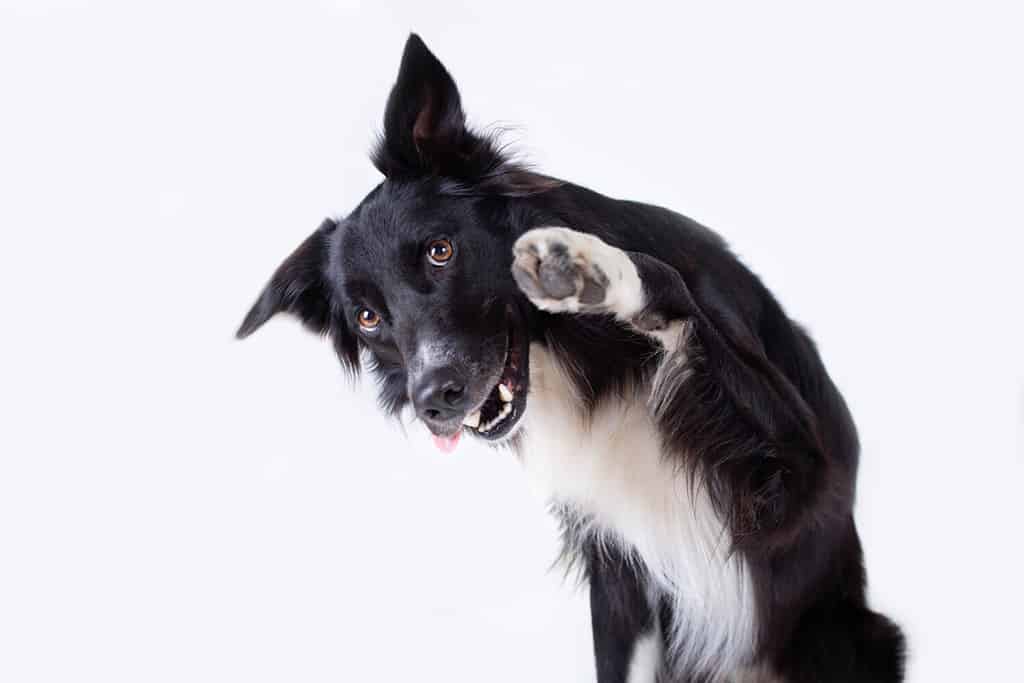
(556, 268)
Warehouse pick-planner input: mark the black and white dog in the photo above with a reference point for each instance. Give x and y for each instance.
(683, 428)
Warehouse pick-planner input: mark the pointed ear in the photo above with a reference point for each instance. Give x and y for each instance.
(299, 287)
(423, 122)
(425, 134)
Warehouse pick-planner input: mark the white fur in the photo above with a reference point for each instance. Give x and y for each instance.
(612, 469)
(673, 369)
(755, 674)
(673, 338)
(645, 663)
(625, 294)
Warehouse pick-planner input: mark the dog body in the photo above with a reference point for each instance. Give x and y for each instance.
(680, 425)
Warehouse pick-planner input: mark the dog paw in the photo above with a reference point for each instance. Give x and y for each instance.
(562, 270)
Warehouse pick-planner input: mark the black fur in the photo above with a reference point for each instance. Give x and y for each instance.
(765, 429)
(620, 611)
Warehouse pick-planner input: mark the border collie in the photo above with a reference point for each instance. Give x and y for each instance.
(681, 426)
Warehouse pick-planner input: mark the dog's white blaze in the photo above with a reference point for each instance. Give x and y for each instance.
(645, 661)
(612, 469)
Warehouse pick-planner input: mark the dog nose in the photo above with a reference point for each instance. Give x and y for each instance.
(440, 395)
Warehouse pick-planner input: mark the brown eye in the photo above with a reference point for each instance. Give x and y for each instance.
(368, 320)
(440, 252)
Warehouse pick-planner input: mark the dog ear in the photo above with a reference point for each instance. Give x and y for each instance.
(423, 121)
(299, 286)
(425, 134)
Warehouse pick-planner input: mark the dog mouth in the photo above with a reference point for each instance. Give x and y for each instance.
(504, 406)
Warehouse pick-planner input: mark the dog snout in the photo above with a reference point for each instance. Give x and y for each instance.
(440, 396)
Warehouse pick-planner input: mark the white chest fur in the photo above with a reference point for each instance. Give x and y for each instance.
(611, 469)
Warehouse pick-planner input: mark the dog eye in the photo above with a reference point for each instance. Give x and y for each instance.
(368, 320)
(440, 252)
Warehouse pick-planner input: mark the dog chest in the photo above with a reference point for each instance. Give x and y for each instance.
(610, 468)
(607, 465)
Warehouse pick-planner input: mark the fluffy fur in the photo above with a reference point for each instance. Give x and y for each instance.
(616, 494)
(681, 426)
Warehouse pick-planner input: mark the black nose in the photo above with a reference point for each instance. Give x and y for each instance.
(440, 395)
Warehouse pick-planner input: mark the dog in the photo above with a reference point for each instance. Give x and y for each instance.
(684, 430)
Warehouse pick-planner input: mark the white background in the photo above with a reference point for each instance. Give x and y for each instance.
(178, 506)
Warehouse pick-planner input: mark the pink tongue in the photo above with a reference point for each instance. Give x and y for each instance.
(447, 444)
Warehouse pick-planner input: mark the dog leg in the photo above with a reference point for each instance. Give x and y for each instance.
(772, 485)
(627, 640)
(565, 271)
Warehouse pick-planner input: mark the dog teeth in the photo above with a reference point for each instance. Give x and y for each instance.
(506, 396)
(506, 410)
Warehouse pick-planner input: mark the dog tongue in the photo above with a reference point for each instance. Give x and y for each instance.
(447, 444)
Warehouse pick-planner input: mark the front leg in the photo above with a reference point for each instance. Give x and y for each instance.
(627, 641)
(566, 271)
(718, 397)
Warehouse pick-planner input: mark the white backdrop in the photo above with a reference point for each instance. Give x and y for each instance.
(178, 506)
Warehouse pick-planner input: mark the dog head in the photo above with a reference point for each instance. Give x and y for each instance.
(418, 275)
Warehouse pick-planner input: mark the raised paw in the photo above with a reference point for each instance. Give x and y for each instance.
(562, 270)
